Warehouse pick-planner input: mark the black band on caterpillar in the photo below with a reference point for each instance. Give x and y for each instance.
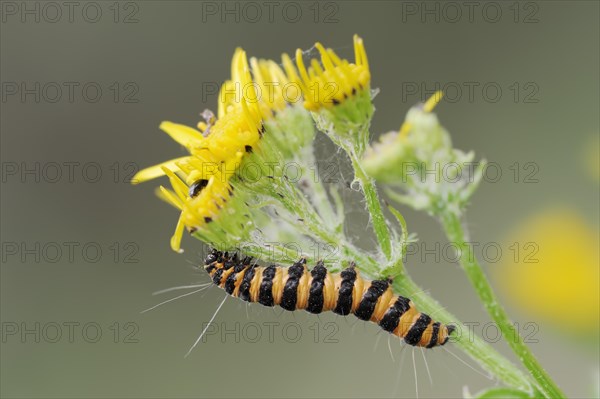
(244, 289)
(317, 291)
(434, 335)
(392, 316)
(265, 293)
(416, 331)
(366, 307)
(344, 301)
(289, 296)
(317, 285)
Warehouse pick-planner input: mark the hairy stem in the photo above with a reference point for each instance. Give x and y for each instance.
(373, 205)
(456, 234)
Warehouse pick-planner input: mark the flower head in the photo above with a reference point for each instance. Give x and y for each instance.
(200, 182)
(202, 189)
(419, 138)
(420, 159)
(251, 105)
(338, 94)
(334, 80)
(262, 84)
(275, 89)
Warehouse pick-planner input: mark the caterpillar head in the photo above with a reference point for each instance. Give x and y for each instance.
(223, 260)
(450, 328)
(213, 259)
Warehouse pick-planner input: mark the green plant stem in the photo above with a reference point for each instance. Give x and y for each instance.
(456, 234)
(374, 206)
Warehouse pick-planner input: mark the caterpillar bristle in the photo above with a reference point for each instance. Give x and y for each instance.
(317, 290)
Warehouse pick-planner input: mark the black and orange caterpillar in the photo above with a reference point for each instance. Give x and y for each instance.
(317, 291)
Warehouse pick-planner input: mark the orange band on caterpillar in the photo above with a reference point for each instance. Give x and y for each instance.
(318, 290)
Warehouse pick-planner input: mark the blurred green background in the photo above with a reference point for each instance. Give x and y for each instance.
(544, 56)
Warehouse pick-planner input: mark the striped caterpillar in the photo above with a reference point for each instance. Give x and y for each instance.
(317, 290)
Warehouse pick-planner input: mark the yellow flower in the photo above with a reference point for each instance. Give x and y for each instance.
(276, 91)
(333, 80)
(255, 99)
(240, 89)
(201, 185)
(554, 275)
(264, 85)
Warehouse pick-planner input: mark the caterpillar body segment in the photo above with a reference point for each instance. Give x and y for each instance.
(317, 290)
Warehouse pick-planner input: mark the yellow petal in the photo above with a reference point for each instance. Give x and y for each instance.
(169, 197)
(360, 54)
(433, 101)
(302, 68)
(184, 135)
(155, 171)
(176, 238)
(181, 189)
(325, 59)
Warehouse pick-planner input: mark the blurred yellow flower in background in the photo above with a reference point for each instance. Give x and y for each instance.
(554, 275)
